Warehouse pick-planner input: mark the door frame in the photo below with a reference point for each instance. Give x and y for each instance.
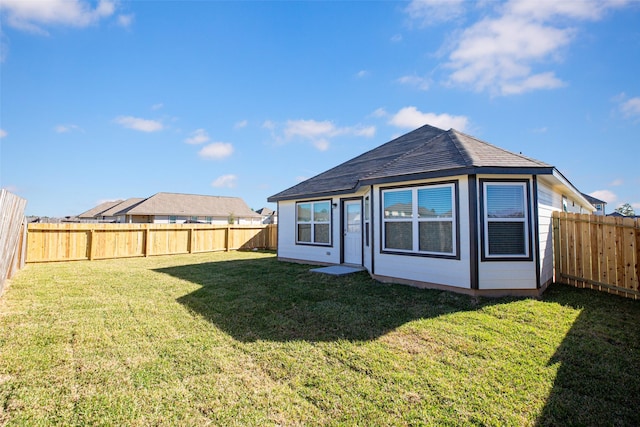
(343, 223)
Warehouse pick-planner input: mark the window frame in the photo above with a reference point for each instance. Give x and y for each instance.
(526, 221)
(313, 223)
(415, 220)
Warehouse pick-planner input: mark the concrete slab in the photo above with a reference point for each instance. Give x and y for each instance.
(337, 270)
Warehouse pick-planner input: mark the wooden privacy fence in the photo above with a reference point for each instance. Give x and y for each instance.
(69, 242)
(598, 252)
(12, 231)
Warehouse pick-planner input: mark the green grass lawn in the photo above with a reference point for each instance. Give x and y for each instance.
(242, 339)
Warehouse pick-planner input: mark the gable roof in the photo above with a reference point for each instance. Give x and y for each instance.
(265, 211)
(122, 207)
(427, 152)
(192, 205)
(98, 210)
(593, 200)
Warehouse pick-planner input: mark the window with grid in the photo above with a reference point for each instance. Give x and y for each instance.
(420, 220)
(313, 222)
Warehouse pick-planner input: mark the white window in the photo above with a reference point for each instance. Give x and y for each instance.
(313, 222)
(506, 220)
(421, 220)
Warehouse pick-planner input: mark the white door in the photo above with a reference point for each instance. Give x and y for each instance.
(352, 232)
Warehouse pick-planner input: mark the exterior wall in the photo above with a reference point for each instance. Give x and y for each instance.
(493, 275)
(440, 271)
(548, 201)
(368, 240)
(507, 274)
(287, 247)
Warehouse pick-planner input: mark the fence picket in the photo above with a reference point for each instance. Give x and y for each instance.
(68, 242)
(598, 252)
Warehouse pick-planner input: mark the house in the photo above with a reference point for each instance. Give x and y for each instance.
(177, 208)
(118, 213)
(432, 208)
(97, 213)
(597, 203)
(269, 216)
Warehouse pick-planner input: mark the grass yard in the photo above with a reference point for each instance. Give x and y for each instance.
(242, 339)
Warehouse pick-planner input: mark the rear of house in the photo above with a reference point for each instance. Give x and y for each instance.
(432, 208)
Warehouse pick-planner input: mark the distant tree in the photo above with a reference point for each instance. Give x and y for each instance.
(626, 210)
(231, 219)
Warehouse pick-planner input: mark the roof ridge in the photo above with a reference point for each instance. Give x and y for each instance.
(522, 156)
(401, 156)
(453, 136)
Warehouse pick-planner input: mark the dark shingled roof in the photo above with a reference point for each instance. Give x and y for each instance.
(426, 152)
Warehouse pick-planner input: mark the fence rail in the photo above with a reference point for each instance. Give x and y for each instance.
(12, 232)
(598, 252)
(70, 242)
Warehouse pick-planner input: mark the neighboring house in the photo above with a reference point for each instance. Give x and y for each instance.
(597, 203)
(617, 214)
(176, 208)
(269, 216)
(432, 208)
(119, 211)
(97, 213)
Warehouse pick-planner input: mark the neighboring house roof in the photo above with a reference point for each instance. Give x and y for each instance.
(427, 152)
(265, 211)
(98, 210)
(192, 205)
(593, 200)
(122, 207)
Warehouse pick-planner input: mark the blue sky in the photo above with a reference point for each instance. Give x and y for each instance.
(117, 99)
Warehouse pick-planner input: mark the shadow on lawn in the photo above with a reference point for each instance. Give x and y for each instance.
(264, 299)
(598, 380)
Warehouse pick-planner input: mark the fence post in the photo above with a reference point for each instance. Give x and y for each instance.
(91, 244)
(227, 238)
(147, 241)
(557, 254)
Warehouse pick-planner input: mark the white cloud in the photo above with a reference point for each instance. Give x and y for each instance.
(321, 144)
(226, 181)
(420, 83)
(3, 133)
(32, 15)
(428, 12)
(157, 106)
(362, 73)
(241, 124)
(616, 182)
(500, 54)
(216, 151)
(635, 206)
(605, 195)
(136, 123)
(66, 128)
(379, 112)
(631, 107)
(311, 129)
(125, 20)
(318, 133)
(396, 38)
(198, 136)
(411, 117)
